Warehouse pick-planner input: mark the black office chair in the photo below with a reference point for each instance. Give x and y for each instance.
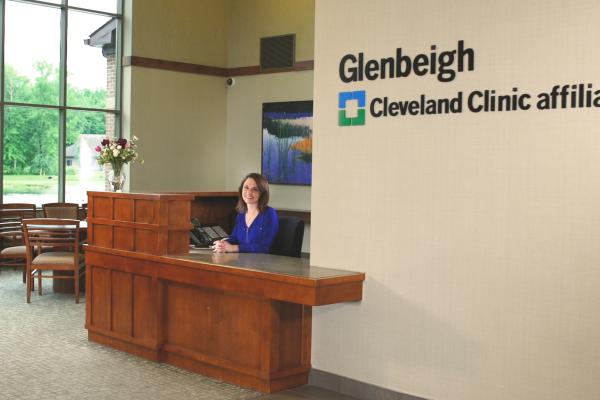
(288, 241)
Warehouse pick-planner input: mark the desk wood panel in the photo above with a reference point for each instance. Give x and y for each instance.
(218, 208)
(100, 291)
(124, 209)
(218, 325)
(144, 317)
(121, 312)
(124, 238)
(157, 223)
(304, 215)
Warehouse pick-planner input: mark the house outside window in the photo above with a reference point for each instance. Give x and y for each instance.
(59, 87)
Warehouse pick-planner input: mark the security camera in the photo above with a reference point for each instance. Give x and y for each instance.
(230, 82)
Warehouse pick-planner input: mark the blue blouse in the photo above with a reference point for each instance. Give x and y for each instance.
(259, 236)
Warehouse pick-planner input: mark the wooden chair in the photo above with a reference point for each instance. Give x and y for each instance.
(58, 240)
(61, 210)
(12, 253)
(84, 209)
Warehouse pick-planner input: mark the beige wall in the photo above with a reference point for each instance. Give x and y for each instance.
(479, 233)
(180, 118)
(253, 19)
(192, 31)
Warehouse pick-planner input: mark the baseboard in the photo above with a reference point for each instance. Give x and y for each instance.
(357, 389)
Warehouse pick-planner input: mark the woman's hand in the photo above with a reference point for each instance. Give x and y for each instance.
(223, 246)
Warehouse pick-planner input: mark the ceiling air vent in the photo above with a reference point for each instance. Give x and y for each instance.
(277, 52)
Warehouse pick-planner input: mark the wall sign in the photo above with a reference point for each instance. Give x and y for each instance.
(446, 66)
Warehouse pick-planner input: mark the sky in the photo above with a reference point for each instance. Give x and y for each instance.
(32, 34)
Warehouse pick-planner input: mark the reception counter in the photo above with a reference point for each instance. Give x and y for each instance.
(241, 318)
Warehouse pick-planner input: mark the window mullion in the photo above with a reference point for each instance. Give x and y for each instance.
(119, 70)
(62, 101)
(2, 3)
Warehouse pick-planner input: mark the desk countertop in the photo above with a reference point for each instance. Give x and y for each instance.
(277, 277)
(268, 263)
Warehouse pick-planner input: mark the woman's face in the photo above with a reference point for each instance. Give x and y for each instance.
(250, 192)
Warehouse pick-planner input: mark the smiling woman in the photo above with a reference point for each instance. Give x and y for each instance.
(256, 223)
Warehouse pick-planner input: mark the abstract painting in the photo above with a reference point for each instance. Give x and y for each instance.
(287, 142)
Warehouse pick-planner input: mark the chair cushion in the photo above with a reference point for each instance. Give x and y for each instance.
(55, 258)
(62, 212)
(15, 251)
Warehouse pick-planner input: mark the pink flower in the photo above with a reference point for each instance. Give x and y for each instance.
(98, 149)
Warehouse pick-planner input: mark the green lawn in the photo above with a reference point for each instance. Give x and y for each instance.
(36, 184)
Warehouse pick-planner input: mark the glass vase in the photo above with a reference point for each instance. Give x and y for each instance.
(116, 179)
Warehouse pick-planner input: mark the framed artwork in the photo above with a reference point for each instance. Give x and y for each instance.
(287, 142)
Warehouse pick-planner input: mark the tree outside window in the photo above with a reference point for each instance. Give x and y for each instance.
(48, 138)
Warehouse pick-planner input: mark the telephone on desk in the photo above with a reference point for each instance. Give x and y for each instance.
(205, 235)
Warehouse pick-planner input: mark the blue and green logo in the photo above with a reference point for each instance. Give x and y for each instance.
(357, 99)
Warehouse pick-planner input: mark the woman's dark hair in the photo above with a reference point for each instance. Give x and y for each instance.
(263, 187)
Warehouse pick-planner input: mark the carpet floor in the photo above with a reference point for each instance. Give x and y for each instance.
(45, 354)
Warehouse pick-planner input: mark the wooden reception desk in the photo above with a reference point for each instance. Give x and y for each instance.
(241, 318)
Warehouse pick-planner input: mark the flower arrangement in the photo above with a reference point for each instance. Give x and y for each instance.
(117, 152)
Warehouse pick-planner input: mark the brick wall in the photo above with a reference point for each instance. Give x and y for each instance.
(111, 89)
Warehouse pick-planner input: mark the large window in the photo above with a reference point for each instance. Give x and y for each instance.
(59, 96)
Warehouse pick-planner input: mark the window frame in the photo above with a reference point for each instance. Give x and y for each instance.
(62, 106)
